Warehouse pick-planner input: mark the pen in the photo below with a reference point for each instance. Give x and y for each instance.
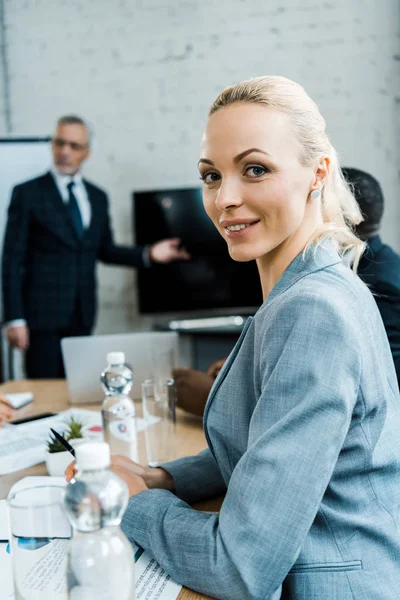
(63, 441)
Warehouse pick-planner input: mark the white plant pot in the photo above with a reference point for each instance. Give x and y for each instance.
(57, 462)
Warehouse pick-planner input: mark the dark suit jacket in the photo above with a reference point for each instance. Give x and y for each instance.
(380, 269)
(46, 268)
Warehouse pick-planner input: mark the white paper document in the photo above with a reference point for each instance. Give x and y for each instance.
(45, 562)
(22, 446)
(44, 568)
(152, 582)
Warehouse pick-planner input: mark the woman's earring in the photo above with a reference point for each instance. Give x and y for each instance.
(315, 194)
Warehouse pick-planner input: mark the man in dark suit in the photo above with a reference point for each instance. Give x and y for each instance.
(58, 227)
(379, 266)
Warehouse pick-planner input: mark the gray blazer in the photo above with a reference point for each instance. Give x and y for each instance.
(303, 429)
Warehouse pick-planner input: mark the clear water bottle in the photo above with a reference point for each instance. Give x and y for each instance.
(118, 410)
(100, 557)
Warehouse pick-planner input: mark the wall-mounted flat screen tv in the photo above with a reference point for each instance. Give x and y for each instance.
(211, 279)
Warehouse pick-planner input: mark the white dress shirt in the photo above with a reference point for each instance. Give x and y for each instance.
(61, 180)
(79, 191)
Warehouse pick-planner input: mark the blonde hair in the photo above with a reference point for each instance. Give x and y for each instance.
(340, 210)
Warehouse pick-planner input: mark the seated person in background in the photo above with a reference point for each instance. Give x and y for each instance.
(379, 266)
(6, 411)
(193, 387)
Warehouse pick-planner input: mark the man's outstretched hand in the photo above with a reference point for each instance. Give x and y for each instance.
(166, 251)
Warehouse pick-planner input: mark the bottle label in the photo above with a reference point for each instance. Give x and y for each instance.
(124, 430)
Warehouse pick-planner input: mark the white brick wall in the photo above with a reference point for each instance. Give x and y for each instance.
(145, 71)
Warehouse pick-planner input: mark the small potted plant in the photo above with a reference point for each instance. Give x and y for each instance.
(57, 457)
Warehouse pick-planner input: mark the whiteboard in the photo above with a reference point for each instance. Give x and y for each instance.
(20, 159)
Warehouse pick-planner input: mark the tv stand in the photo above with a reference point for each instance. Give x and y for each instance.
(204, 340)
(229, 324)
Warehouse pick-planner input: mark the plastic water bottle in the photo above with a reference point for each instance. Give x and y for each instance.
(118, 410)
(100, 557)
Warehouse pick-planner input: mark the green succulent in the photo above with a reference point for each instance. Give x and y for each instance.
(54, 445)
(73, 432)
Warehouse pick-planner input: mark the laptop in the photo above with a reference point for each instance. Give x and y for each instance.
(147, 353)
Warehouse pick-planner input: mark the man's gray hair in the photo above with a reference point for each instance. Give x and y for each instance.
(75, 120)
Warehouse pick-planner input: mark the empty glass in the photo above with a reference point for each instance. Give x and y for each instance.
(159, 403)
(40, 534)
(163, 360)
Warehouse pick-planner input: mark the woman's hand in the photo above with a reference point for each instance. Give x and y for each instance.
(135, 483)
(6, 410)
(137, 477)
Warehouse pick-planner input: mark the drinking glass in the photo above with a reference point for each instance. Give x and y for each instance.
(163, 361)
(159, 404)
(39, 538)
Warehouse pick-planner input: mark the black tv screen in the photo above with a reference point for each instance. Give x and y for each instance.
(211, 279)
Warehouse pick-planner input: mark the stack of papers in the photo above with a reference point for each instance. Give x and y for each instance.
(22, 446)
(152, 582)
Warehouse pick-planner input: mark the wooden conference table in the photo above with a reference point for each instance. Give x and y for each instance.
(52, 396)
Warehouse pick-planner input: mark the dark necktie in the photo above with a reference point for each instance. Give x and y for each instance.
(74, 211)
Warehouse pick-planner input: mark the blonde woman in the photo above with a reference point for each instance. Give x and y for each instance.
(303, 420)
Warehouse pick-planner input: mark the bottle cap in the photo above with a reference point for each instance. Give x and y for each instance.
(92, 456)
(116, 358)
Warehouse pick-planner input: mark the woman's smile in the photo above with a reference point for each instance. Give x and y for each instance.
(239, 227)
